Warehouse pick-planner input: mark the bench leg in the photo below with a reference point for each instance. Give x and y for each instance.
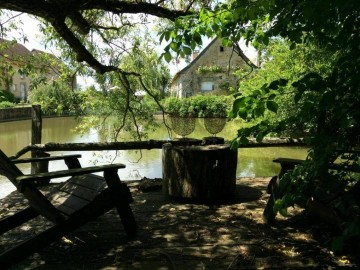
(272, 189)
(122, 197)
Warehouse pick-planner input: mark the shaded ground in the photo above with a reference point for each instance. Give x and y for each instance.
(183, 235)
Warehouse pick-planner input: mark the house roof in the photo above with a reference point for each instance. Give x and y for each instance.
(193, 61)
(39, 52)
(14, 49)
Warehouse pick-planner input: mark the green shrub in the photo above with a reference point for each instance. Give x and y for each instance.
(7, 96)
(6, 104)
(198, 106)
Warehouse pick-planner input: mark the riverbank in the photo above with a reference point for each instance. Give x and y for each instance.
(24, 113)
(184, 235)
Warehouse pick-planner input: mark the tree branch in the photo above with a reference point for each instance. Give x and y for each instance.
(56, 11)
(240, 52)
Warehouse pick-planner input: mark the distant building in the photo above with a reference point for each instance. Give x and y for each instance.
(15, 62)
(14, 57)
(210, 71)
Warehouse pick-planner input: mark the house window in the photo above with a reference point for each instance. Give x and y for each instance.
(13, 88)
(221, 48)
(207, 86)
(22, 75)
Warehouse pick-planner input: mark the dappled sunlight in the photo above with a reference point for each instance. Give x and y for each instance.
(174, 234)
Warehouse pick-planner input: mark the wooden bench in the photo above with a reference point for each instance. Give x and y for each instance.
(288, 164)
(80, 199)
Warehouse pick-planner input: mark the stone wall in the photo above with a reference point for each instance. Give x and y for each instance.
(12, 114)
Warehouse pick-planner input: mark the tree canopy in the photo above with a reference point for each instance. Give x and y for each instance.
(78, 21)
(99, 34)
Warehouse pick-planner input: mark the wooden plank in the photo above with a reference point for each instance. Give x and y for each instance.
(8, 169)
(68, 203)
(40, 203)
(80, 191)
(51, 158)
(70, 172)
(37, 242)
(90, 181)
(84, 191)
(17, 219)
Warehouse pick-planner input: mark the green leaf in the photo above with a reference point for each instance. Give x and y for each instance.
(168, 57)
(277, 205)
(272, 106)
(260, 137)
(187, 50)
(244, 140)
(283, 212)
(162, 37)
(167, 35)
(266, 40)
(256, 93)
(174, 46)
(234, 145)
(197, 38)
(242, 112)
(239, 103)
(259, 110)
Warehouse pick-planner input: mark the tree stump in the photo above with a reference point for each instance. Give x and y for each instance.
(204, 173)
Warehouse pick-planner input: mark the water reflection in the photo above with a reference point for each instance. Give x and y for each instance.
(252, 162)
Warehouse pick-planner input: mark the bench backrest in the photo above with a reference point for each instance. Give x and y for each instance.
(36, 199)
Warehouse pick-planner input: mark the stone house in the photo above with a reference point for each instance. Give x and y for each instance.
(209, 72)
(15, 60)
(13, 57)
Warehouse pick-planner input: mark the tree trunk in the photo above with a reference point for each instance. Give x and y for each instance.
(203, 173)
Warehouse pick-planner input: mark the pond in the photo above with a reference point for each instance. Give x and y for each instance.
(252, 162)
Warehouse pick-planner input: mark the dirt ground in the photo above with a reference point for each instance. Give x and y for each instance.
(185, 235)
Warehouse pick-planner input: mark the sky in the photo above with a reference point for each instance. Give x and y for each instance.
(31, 29)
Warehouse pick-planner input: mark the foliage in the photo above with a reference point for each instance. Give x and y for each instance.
(7, 96)
(112, 45)
(6, 104)
(99, 34)
(325, 100)
(198, 106)
(55, 97)
(107, 113)
(209, 69)
(283, 67)
(179, 107)
(125, 110)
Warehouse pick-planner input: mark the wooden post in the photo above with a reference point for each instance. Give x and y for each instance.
(36, 128)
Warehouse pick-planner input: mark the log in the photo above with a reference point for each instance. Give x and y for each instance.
(148, 145)
(204, 173)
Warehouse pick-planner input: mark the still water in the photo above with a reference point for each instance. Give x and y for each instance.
(252, 162)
